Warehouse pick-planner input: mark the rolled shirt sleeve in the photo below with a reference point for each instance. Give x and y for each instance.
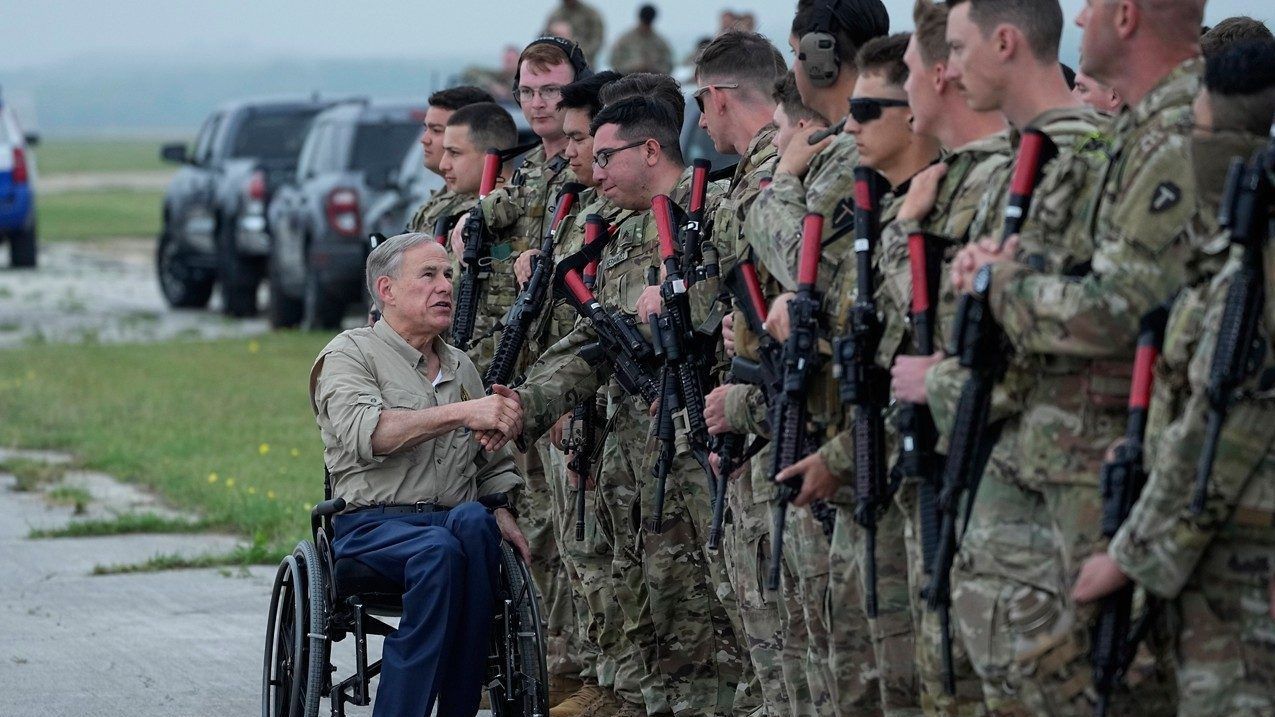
(348, 404)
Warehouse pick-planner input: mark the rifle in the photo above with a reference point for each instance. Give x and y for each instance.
(475, 235)
(582, 431)
(620, 343)
(1240, 349)
(800, 359)
(531, 299)
(1122, 480)
(442, 227)
(983, 349)
(864, 386)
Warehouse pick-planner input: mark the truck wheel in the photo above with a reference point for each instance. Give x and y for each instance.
(183, 286)
(238, 275)
(22, 249)
(285, 311)
(324, 307)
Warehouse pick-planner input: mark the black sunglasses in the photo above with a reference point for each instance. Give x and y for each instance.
(866, 109)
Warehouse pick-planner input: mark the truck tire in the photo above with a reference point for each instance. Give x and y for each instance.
(324, 307)
(238, 275)
(22, 248)
(285, 311)
(183, 286)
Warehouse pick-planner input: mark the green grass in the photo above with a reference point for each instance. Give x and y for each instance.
(127, 524)
(222, 428)
(57, 156)
(249, 555)
(32, 474)
(69, 495)
(99, 214)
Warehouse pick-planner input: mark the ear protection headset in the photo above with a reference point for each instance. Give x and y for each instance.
(574, 54)
(818, 48)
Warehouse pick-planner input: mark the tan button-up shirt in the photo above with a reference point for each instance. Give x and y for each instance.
(366, 370)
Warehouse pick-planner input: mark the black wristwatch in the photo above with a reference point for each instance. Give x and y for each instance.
(494, 501)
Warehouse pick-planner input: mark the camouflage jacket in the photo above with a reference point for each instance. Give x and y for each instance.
(560, 378)
(1162, 545)
(586, 27)
(640, 50)
(442, 203)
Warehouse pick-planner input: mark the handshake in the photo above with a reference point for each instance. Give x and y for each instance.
(495, 419)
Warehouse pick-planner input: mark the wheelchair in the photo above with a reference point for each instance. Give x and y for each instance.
(318, 600)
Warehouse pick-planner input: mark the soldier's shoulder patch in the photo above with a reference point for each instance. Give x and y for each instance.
(1167, 194)
(843, 213)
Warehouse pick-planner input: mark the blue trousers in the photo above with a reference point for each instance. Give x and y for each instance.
(448, 564)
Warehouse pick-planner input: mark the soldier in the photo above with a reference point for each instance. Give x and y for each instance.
(826, 35)
(1068, 294)
(443, 202)
(685, 639)
(1215, 567)
(642, 49)
(586, 26)
(1097, 95)
(1233, 30)
(736, 75)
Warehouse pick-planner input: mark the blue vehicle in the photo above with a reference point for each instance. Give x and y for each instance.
(17, 190)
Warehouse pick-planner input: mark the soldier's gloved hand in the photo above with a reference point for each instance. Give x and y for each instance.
(922, 193)
(522, 266)
(1099, 577)
(777, 318)
(458, 237)
(798, 152)
(715, 410)
(558, 430)
(818, 483)
(650, 302)
(907, 377)
(510, 531)
(728, 334)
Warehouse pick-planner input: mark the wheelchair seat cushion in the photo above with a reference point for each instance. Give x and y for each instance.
(352, 577)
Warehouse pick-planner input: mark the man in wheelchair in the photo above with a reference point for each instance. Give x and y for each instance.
(427, 497)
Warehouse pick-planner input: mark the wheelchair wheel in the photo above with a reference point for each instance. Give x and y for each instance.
(296, 655)
(519, 684)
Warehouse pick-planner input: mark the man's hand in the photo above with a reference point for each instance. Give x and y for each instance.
(573, 478)
(649, 302)
(495, 419)
(510, 531)
(458, 237)
(715, 462)
(818, 483)
(798, 152)
(1099, 577)
(522, 266)
(975, 255)
(715, 410)
(558, 430)
(907, 377)
(922, 193)
(777, 324)
(728, 334)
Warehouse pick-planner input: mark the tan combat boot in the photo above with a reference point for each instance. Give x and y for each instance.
(561, 687)
(589, 701)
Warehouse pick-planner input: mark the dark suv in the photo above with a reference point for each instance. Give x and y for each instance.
(214, 223)
(351, 157)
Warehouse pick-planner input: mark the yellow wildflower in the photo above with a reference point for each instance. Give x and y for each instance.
(263, 449)
(212, 477)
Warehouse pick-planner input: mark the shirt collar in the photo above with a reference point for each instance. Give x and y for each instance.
(447, 360)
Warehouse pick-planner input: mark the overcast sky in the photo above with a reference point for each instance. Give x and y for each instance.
(49, 31)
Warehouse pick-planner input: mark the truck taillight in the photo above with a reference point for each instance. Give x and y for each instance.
(257, 186)
(20, 175)
(342, 209)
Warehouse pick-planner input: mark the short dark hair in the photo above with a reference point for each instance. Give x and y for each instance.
(453, 98)
(641, 117)
(583, 94)
(930, 19)
(647, 84)
(747, 58)
(1240, 79)
(1040, 21)
(884, 56)
(646, 14)
(788, 97)
(1232, 30)
(852, 23)
(489, 125)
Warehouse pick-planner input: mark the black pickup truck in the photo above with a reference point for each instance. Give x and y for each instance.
(214, 218)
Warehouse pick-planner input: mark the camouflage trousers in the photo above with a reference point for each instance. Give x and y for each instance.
(805, 618)
(1011, 600)
(968, 700)
(889, 639)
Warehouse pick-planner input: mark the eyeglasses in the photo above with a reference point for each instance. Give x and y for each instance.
(699, 94)
(548, 93)
(603, 156)
(866, 109)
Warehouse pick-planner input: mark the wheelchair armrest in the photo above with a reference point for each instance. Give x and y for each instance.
(328, 507)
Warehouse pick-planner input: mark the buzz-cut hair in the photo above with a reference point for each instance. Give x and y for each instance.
(490, 125)
(1240, 79)
(930, 19)
(453, 98)
(640, 118)
(884, 56)
(647, 84)
(584, 94)
(387, 260)
(786, 95)
(746, 58)
(1233, 30)
(1040, 21)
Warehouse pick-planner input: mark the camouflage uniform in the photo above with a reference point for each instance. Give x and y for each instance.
(1073, 324)
(641, 50)
(971, 169)
(442, 203)
(678, 622)
(518, 215)
(586, 27)
(773, 229)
